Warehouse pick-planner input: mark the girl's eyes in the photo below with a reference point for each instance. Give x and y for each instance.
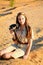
(21, 19)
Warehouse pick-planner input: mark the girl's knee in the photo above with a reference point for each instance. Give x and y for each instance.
(1, 53)
(6, 56)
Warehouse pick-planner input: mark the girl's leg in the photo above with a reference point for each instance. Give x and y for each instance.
(15, 54)
(7, 50)
(7, 55)
(18, 53)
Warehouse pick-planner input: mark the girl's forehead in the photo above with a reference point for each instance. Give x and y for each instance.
(21, 16)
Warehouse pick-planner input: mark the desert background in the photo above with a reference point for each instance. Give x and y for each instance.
(34, 12)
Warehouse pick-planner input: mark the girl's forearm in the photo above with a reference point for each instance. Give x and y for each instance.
(28, 47)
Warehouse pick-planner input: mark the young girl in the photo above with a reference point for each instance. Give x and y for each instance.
(22, 37)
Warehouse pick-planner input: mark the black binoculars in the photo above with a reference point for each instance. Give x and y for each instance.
(12, 27)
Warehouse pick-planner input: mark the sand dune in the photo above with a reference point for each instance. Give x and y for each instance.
(34, 13)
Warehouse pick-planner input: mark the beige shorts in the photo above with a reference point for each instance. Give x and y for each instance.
(18, 49)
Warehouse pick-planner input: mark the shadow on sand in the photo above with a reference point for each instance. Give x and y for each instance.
(35, 45)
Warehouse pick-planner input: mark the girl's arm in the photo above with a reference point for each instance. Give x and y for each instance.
(28, 49)
(29, 46)
(13, 36)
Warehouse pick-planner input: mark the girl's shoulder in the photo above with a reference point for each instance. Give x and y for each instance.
(31, 31)
(29, 28)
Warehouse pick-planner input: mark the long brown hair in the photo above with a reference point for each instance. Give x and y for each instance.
(28, 28)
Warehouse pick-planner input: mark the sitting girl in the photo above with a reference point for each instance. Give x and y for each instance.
(22, 37)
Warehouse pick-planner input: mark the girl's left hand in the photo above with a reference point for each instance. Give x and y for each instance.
(25, 57)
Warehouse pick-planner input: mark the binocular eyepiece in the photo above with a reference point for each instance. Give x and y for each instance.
(12, 27)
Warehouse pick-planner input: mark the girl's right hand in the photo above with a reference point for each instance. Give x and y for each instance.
(11, 31)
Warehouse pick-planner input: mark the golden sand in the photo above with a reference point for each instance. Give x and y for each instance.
(34, 12)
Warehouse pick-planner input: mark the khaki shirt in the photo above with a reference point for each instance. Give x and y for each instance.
(21, 35)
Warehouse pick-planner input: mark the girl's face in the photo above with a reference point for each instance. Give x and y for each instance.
(21, 19)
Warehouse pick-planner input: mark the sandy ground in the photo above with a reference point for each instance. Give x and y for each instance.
(34, 12)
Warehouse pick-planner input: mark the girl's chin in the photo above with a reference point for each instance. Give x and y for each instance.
(22, 23)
